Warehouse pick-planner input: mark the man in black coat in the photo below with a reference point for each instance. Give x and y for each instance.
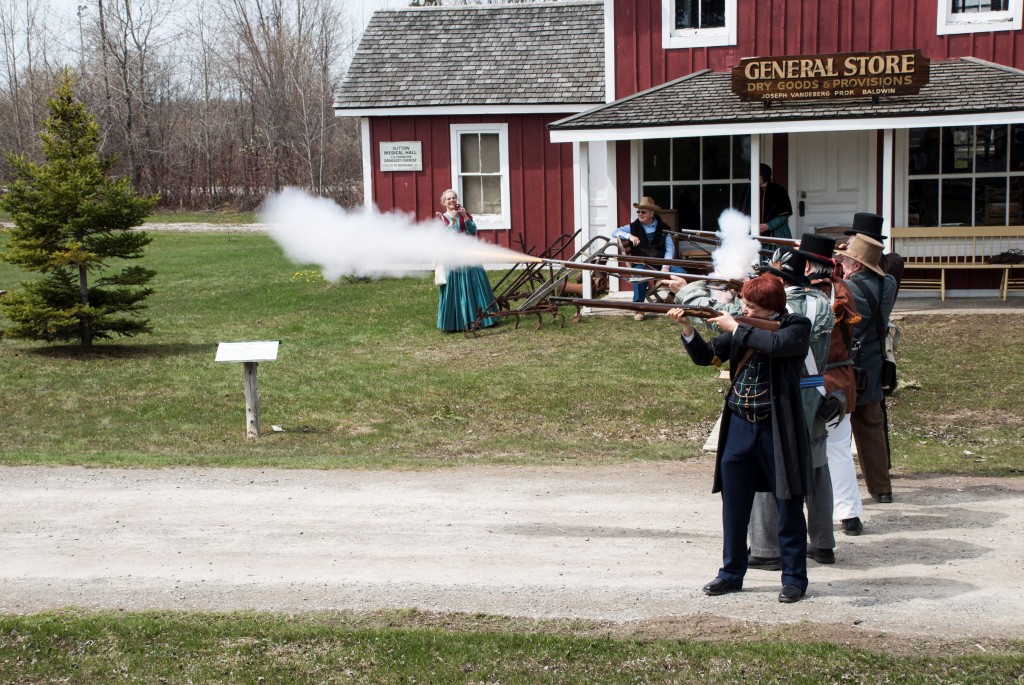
(762, 443)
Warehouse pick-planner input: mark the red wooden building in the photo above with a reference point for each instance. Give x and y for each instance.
(550, 117)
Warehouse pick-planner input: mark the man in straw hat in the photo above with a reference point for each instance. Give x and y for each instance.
(791, 266)
(647, 237)
(874, 293)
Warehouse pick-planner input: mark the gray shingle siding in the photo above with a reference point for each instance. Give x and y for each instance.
(964, 86)
(540, 53)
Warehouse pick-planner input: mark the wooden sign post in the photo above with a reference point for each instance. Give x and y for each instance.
(249, 354)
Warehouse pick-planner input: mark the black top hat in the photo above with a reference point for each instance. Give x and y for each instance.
(817, 247)
(789, 265)
(868, 224)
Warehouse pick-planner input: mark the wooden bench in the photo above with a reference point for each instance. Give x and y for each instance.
(945, 248)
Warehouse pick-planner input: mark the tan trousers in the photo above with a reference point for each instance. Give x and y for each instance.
(869, 433)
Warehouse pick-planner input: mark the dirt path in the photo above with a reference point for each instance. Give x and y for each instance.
(624, 543)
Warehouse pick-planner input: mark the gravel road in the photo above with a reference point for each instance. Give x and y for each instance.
(617, 543)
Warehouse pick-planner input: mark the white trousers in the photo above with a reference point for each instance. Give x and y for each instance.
(846, 502)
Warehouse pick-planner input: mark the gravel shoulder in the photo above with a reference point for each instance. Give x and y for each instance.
(622, 544)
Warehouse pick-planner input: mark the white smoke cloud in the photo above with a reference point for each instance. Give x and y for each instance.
(364, 242)
(739, 251)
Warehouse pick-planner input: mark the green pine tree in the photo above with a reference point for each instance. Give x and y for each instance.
(73, 225)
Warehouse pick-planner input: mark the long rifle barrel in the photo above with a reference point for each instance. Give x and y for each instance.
(649, 273)
(653, 307)
(660, 261)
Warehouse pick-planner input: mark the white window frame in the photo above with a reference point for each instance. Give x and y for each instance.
(977, 22)
(673, 38)
(489, 222)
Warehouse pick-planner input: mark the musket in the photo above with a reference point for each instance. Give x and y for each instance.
(788, 242)
(661, 261)
(645, 273)
(651, 307)
(705, 237)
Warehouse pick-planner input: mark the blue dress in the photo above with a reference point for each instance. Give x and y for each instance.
(467, 291)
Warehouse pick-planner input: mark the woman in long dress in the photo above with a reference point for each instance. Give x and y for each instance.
(466, 291)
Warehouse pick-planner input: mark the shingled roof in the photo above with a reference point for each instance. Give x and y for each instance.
(536, 53)
(956, 87)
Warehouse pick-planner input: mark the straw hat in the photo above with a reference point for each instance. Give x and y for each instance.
(865, 250)
(647, 203)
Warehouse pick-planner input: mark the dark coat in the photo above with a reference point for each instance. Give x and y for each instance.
(655, 247)
(866, 331)
(786, 350)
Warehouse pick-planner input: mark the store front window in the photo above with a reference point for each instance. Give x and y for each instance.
(966, 176)
(697, 177)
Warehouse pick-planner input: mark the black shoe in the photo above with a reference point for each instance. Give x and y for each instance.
(764, 563)
(720, 586)
(822, 556)
(883, 497)
(853, 526)
(790, 594)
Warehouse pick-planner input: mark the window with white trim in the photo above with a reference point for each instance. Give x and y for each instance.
(697, 177)
(698, 23)
(966, 176)
(972, 16)
(480, 172)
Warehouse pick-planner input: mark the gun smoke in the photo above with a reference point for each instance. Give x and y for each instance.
(364, 242)
(738, 251)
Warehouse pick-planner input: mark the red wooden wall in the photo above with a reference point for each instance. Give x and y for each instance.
(541, 188)
(793, 27)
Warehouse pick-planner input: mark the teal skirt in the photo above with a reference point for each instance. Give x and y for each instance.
(466, 293)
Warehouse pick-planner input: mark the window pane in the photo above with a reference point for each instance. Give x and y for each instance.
(491, 191)
(662, 195)
(656, 160)
(686, 200)
(715, 200)
(741, 197)
(969, 6)
(956, 202)
(741, 157)
(472, 194)
(923, 203)
(1015, 215)
(470, 144)
(924, 150)
(687, 14)
(712, 14)
(716, 158)
(991, 207)
(1017, 147)
(490, 155)
(990, 148)
(956, 150)
(686, 159)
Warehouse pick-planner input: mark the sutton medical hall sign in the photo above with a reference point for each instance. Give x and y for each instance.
(849, 75)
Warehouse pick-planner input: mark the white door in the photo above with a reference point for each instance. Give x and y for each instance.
(834, 178)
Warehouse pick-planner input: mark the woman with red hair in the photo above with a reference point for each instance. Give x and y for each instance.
(762, 442)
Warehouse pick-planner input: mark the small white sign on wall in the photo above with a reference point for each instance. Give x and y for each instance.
(401, 156)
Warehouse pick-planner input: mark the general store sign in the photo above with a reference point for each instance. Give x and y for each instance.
(404, 156)
(844, 75)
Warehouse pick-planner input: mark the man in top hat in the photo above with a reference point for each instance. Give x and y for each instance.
(648, 239)
(791, 266)
(874, 293)
(840, 385)
(870, 225)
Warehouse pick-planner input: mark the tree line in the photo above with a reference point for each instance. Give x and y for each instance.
(209, 105)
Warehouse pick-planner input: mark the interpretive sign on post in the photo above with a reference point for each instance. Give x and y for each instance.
(403, 156)
(249, 354)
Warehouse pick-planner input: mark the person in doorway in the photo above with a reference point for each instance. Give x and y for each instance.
(775, 207)
(762, 445)
(647, 238)
(874, 293)
(466, 292)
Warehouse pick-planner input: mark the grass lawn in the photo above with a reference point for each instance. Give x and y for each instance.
(364, 379)
(406, 647)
